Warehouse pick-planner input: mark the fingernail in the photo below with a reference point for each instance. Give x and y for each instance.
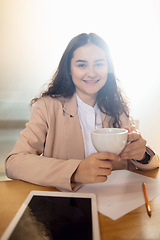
(119, 158)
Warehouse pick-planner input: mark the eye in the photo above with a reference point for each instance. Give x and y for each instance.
(82, 65)
(99, 64)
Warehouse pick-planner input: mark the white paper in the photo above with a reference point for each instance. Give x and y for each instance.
(122, 192)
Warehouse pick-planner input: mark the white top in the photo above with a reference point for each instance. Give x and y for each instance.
(90, 118)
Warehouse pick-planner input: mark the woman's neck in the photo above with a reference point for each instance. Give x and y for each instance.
(90, 100)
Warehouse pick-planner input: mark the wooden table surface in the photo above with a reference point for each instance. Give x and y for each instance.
(134, 225)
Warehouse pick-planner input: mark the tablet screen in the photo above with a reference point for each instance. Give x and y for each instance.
(55, 217)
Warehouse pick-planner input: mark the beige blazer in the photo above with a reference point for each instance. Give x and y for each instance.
(51, 146)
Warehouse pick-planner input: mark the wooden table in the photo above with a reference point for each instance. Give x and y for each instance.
(134, 225)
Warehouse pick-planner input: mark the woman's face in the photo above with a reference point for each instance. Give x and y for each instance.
(89, 71)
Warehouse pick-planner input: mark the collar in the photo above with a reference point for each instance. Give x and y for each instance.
(69, 106)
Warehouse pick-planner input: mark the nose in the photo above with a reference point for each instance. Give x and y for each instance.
(91, 73)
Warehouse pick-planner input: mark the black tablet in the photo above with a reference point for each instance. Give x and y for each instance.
(55, 216)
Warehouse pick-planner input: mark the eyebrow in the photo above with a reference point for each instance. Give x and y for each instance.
(98, 60)
(81, 60)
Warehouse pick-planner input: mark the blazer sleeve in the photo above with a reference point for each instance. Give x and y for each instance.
(27, 162)
(154, 161)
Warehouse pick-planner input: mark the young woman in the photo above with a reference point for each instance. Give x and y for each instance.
(55, 148)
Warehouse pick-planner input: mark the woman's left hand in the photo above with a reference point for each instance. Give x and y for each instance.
(136, 148)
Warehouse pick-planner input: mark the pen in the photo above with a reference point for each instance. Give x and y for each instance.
(146, 199)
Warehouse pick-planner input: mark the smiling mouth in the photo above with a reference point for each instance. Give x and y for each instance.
(91, 81)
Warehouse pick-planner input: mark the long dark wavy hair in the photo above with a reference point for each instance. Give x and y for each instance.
(109, 98)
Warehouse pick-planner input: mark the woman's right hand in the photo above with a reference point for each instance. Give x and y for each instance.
(95, 168)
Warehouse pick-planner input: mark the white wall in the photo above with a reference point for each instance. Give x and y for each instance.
(34, 34)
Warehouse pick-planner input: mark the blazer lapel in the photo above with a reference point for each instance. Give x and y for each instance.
(72, 129)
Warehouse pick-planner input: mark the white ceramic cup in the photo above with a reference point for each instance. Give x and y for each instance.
(111, 140)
